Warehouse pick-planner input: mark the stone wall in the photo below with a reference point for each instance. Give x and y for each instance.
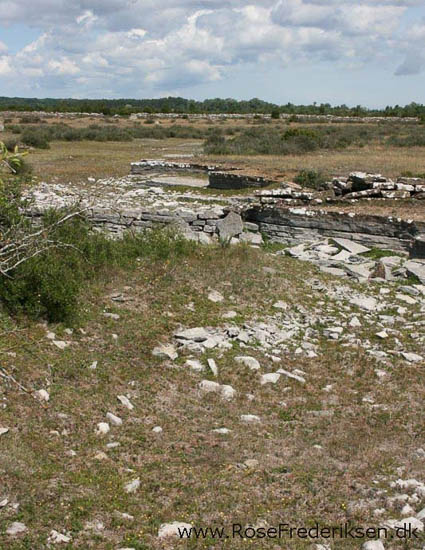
(223, 180)
(296, 225)
(154, 165)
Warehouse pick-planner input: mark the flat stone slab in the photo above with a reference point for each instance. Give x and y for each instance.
(417, 269)
(351, 246)
(185, 181)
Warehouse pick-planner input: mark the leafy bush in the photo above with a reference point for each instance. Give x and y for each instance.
(49, 285)
(35, 138)
(310, 178)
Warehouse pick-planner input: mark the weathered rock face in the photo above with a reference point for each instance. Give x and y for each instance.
(230, 226)
(223, 180)
(301, 225)
(418, 248)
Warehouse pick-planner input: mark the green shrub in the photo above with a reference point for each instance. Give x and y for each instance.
(310, 178)
(49, 285)
(35, 138)
(275, 114)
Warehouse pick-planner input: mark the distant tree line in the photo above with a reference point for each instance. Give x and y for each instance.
(190, 106)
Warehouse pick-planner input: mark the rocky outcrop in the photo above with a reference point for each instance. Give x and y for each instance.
(164, 166)
(296, 225)
(223, 180)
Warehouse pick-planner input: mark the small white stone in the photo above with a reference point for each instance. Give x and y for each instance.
(113, 316)
(157, 429)
(215, 296)
(60, 344)
(406, 299)
(291, 375)
(113, 445)
(195, 365)
(208, 386)
(165, 351)
(383, 334)
(123, 515)
(280, 305)
(373, 545)
(93, 366)
(213, 367)
(114, 420)
(102, 428)
(407, 510)
(381, 373)
(412, 357)
(250, 418)
(4, 503)
(42, 395)
(4, 431)
(126, 402)
(222, 431)
(248, 361)
(229, 315)
(175, 529)
(57, 538)
(16, 528)
(50, 335)
(227, 392)
(132, 486)
(270, 378)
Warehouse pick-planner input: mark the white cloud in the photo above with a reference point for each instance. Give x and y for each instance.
(146, 45)
(63, 67)
(5, 67)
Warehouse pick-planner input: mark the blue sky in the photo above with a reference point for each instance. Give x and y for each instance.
(369, 52)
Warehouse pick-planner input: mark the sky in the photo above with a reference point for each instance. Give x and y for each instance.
(368, 52)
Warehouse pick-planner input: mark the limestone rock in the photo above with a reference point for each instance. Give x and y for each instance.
(215, 296)
(115, 420)
(58, 538)
(174, 529)
(248, 361)
(230, 226)
(17, 528)
(297, 377)
(364, 302)
(412, 357)
(270, 378)
(132, 486)
(373, 545)
(351, 246)
(165, 351)
(250, 418)
(195, 365)
(416, 269)
(102, 428)
(125, 402)
(198, 334)
(213, 367)
(42, 395)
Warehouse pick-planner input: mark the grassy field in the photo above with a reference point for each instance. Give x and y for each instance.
(328, 450)
(73, 160)
(322, 455)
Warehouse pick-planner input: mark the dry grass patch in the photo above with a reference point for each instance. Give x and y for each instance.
(50, 459)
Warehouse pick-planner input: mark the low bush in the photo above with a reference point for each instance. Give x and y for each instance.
(311, 179)
(49, 285)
